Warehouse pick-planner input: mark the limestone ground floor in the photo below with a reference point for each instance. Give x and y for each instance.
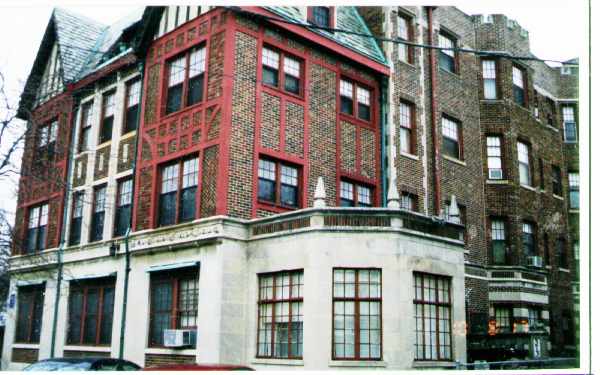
(308, 290)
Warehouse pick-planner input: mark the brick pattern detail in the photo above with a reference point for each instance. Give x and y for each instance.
(241, 149)
(210, 172)
(144, 192)
(270, 121)
(168, 359)
(152, 86)
(127, 163)
(80, 164)
(294, 129)
(348, 146)
(215, 65)
(368, 152)
(213, 120)
(21, 355)
(101, 163)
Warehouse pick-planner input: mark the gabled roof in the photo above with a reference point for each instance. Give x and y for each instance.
(347, 18)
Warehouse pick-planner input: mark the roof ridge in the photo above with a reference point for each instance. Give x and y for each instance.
(79, 16)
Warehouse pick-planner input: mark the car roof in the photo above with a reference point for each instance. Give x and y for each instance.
(82, 359)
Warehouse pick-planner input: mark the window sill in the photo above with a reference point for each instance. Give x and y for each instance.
(574, 211)
(88, 348)
(529, 188)
(454, 160)
(357, 363)
(558, 197)
(571, 142)
(103, 144)
(356, 120)
(432, 364)
(564, 270)
(497, 182)
(552, 128)
(491, 101)
(17, 345)
(278, 361)
(279, 90)
(129, 134)
(188, 351)
(269, 206)
(410, 156)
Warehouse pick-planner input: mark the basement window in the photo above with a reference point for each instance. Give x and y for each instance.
(30, 309)
(280, 316)
(36, 228)
(173, 302)
(177, 201)
(90, 316)
(97, 227)
(278, 183)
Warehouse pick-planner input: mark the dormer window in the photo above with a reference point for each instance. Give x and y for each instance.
(321, 16)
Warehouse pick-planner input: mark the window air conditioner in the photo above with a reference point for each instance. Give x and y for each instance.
(176, 338)
(534, 261)
(496, 174)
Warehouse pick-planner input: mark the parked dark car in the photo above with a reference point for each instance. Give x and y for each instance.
(83, 364)
(196, 367)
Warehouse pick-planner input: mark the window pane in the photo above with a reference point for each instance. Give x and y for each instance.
(174, 97)
(195, 90)
(321, 16)
(107, 315)
(291, 67)
(517, 77)
(346, 89)
(270, 58)
(292, 84)
(167, 208)
(187, 205)
(197, 62)
(177, 71)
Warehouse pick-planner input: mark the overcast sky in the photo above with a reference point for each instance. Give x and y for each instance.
(556, 31)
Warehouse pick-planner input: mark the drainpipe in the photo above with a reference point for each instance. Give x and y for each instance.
(61, 246)
(127, 254)
(383, 129)
(433, 87)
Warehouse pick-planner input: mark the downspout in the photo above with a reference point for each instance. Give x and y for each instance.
(383, 129)
(61, 246)
(127, 254)
(433, 87)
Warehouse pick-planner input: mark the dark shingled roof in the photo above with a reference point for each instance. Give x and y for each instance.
(347, 18)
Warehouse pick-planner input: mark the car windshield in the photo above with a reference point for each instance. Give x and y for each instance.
(59, 366)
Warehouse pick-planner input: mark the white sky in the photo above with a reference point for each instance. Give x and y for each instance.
(556, 31)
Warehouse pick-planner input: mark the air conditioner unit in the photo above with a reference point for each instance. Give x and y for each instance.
(176, 338)
(496, 174)
(534, 261)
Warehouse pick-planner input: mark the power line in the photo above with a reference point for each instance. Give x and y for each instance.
(391, 40)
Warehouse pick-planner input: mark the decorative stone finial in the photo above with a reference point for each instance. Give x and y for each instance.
(454, 212)
(393, 198)
(320, 195)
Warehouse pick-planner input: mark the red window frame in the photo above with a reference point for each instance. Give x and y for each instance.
(179, 163)
(355, 184)
(278, 165)
(281, 71)
(174, 278)
(356, 300)
(272, 302)
(354, 116)
(437, 303)
(101, 285)
(184, 94)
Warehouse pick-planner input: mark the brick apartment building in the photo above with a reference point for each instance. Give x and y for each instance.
(199, 165)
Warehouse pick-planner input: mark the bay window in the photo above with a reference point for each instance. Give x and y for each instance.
(452, 138)
(177, 201)
(569, 124)
(574, 190)
(281, 71)
(524, 164)
(278, 183)
(123, 211)
(433, 317)
(76, 218)
(37, 228)
(406, 114)
(519, 86)
(108, 117)
(185, 80)
(528, 239)
(280, 315)
(488, 68)
(498, 239)
(173, 302)
(132, 103)
(494, 157)
(357, 314)
(30, 308)
(355, 100)
(97, 227)
(90, 316)
(447, 57)
(355, 194)
(86, 126)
